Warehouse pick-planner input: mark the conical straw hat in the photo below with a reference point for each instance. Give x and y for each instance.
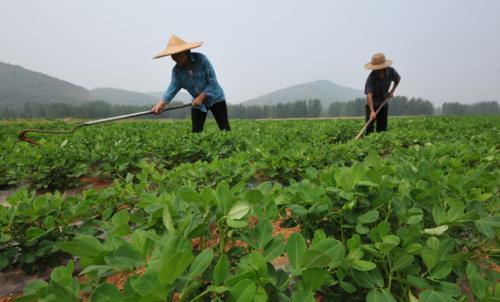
(378, 62)
(176, 45)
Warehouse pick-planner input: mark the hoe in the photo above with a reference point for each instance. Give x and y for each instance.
(22, 134)
(363, 130)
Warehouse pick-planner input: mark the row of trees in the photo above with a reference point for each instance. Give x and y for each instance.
(489, 107)
(399, 105)
(298, 109)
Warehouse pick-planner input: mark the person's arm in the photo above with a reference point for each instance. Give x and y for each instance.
(212, 86)
(370, 105)
(369, 96)
(199, 99)
(169, 94)
(396, 79)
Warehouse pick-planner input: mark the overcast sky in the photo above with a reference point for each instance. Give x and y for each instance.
(447, 50)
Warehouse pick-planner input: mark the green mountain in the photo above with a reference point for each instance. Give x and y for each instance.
(122, 97)
(183, 96)
(326, 91)
(19, 85)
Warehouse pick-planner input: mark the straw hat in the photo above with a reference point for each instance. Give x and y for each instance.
(378, 62)
(176, 45)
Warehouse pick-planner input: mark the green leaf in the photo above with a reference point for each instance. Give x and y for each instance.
(254, 196)
(302, 296)
(125, 257)
(3, 262)
(243, 291)
(295, 249)
(488, 226)
(314, 258)
(362, 265)
(201, 263)
(239, 210)
(261, 294)
(145, 284)
(236, 224)
(402, 262)
(417, 282)
(371, 279)
(361, 229)
(81, 246)
(413, 248)
(120, 218)
(167, 220)
(415, 215)
(217, 289)
(221, 270)
(429, 257)
(388, 243)
(334, 248)
(263, 233)
(369, 217)
(35, 288)
(434, 296)
(436, 231)
(347, 287)
(61, 293)
(100, 269)
(258, 263)
(35, 233)
(379, 295)
(313, 278)
(441, 270)
(274, 249)
(176, 257)
(106, 292)
(188, 194)
(439, 215)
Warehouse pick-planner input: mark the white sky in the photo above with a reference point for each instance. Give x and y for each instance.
(446, 50)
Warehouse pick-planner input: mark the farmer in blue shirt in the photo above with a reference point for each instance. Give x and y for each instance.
(194, 73)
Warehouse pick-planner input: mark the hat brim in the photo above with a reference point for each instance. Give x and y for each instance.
(177, 49)
(371, 66)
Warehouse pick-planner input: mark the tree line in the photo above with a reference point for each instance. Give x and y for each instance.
(399, 105)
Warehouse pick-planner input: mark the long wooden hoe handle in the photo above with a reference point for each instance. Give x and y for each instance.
(22, 134)
(362, 132)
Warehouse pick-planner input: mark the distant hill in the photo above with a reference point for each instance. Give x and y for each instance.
(182, 96)
(122, 97)
(326, 91)
(19, 85)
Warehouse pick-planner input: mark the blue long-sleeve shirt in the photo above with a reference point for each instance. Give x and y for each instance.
(201, 79)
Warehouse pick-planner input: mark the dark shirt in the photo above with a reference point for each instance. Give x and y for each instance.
(380, 87)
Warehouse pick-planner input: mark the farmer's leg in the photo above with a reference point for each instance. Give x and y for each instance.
(369, 129)
(382, 117)
(219, 110)
(197, 119)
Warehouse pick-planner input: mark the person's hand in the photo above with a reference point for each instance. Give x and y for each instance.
(158, 108)
(373, 115)
(197, 102)
(391, 95)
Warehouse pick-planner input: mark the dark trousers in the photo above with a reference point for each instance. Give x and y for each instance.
(380, 120)
(219, 110)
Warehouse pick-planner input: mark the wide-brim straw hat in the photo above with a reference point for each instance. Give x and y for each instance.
(176, 45)
(378, 62)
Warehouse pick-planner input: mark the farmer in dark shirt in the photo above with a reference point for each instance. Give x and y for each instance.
(377, 90)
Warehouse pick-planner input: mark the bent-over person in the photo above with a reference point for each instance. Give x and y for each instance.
(377, 90)
(194, 73)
